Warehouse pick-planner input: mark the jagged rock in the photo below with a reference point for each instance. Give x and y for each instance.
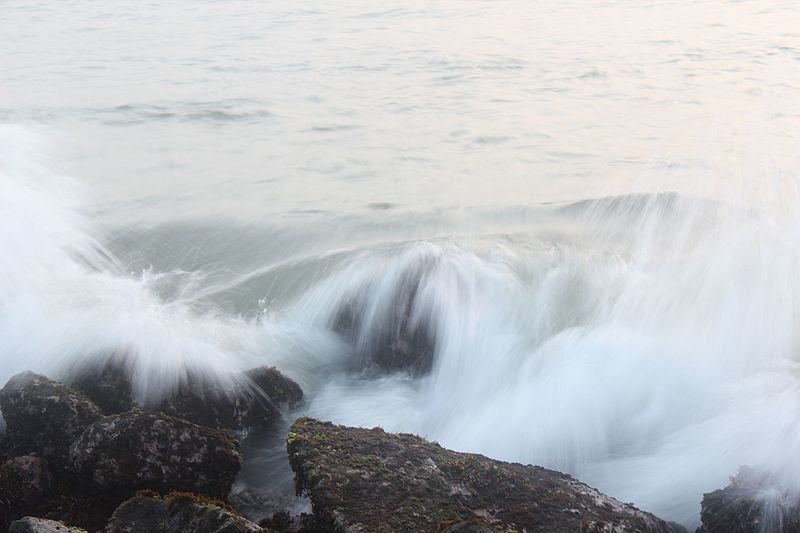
(362, 480)
(751, 503)
(239, 407)
(43, 416)
(147, 450)
(176, 514)
(40, 525)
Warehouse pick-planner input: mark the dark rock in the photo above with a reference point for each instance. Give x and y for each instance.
(40, 525)
(392, 332)
(106, 384)
(363, 480)
(752, 503)
(283, 522)
(469, 526)
(146, 450)
(28, 488)
(27, 480)
(43, 416)
(176, 514)
(239, 407)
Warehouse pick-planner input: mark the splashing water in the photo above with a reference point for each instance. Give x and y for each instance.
(645, 344)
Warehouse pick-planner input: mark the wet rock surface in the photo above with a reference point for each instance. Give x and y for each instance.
(176, 513)
(40, 525)
(25, 483)
(751, 503)
(106, 384)
(363, 480)
(147, 450)
(43, 416)
(253, 404)
(388, 324)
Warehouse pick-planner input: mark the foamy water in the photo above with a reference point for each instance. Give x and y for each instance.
(585, 216)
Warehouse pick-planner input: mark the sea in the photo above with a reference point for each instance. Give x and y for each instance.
(578, 220)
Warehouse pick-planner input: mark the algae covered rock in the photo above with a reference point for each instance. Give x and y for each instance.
(176, 513)
(30, 524)
(362, 480)
(147, 450)
(752, 502)
(43, 416)
(254, 403)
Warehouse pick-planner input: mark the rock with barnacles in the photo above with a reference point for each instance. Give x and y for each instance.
(43, 416)
(135, 450)
(367, 480)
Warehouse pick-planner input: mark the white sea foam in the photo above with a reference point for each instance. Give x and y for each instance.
(645, 344)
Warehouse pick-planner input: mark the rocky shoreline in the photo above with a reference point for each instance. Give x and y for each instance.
(85, 456)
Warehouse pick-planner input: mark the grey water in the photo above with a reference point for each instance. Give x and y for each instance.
(590, 207)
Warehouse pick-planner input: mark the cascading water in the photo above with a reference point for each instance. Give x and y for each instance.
(646, 344)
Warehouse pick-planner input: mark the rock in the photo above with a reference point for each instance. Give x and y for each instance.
(362, 480)
(239, 408)
(388, 324)
(129, 451)
(751, 503)
(43, 416)
(181, 513)
(283, 522)
(253, 404)
(25, 482)
(40, 525)
(106, 384)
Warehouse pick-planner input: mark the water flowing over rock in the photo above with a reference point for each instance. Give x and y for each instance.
(255, 401)
(44, 416)
(242, 407)
(106, 384)
(751, 503)
(362, 480)
(388, 322)
(146, 450)
(40, 525)
(181, 513)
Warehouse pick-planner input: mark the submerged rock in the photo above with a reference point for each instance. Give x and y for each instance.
(362, 480)
(43, 416)
(177, 513)
(239, 408)
(146, 450)
(388, 323)
(751, 503)
(40, 525)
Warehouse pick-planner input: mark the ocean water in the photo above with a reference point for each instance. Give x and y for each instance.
(586, 213)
